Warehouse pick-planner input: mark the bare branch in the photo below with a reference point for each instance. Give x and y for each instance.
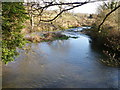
(41, 7)
(79, 4)
(107, 16)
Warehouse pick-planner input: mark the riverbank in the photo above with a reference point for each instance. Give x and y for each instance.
(45, 37)
(109, 42)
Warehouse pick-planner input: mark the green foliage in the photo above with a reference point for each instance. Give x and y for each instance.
(13, 16)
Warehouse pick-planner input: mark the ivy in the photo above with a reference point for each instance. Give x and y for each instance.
(13, 17)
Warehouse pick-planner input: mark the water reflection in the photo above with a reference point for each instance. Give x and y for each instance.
(68, 63)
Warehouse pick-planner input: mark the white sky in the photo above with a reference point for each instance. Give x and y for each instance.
(89, 8)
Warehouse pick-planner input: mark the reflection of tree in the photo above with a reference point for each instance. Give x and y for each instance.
(97, 48)
(33, 49)
(59, 46)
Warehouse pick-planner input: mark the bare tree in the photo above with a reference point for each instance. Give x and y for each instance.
(39, 9)
(107, 16)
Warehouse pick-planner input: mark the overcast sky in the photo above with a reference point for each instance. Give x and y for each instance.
(88, 8)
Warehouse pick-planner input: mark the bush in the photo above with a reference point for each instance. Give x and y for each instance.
(108, 36)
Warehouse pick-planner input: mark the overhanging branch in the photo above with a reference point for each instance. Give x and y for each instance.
(79, 4)
(107, 16)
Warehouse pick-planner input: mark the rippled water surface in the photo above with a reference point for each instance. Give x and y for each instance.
(71, 63)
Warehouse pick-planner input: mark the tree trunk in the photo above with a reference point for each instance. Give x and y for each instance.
(32, 22)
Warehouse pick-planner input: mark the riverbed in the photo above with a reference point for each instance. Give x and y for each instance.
(72, 63)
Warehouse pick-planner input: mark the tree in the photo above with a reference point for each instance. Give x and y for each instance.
(12, 17)
(112, 10)
(38, 9)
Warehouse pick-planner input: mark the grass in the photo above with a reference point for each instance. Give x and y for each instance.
(47, 37)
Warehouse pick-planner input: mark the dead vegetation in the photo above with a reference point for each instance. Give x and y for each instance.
(65, 21)
(46, 37)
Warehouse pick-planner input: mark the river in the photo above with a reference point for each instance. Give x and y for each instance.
(72, 63)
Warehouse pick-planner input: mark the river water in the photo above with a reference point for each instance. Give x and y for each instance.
(72, 63)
